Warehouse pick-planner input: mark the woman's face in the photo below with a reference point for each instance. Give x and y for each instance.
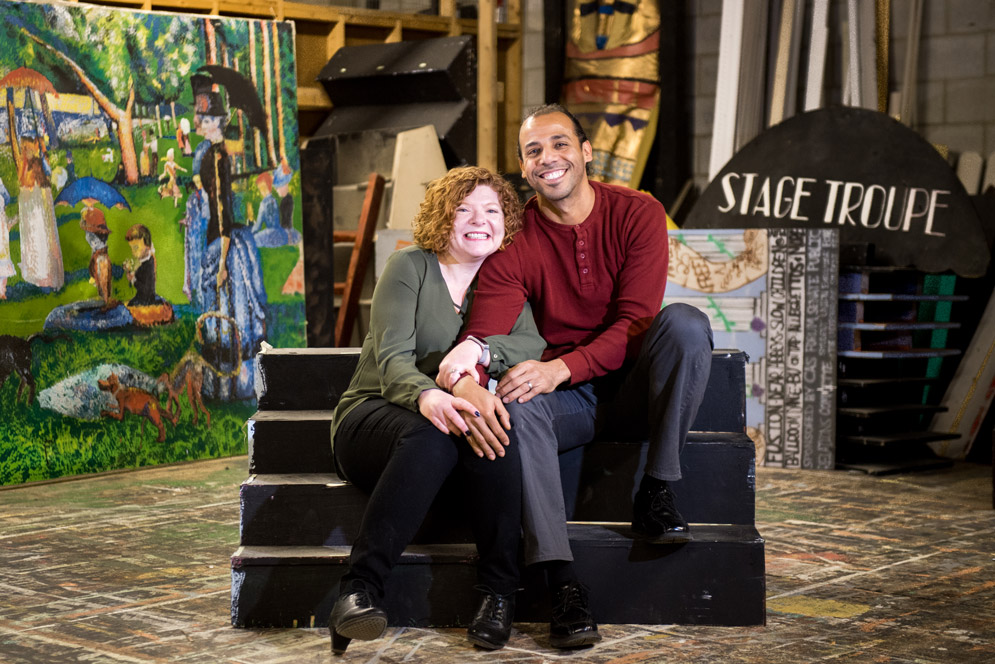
(478, 226)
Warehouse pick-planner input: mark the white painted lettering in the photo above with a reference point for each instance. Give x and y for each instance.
(779, 196)
(744, 207)
(845, 207)
(910, 207)
(800, 193)
(763, 199)
(729, 193)
(932, 209)
(834, 186)
(865, 211)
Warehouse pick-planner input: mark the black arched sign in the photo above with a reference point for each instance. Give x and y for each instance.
(860, 171)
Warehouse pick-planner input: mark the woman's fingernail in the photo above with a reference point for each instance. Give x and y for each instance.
(477, 413)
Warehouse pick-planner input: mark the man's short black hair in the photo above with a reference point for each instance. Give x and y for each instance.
(546, 109)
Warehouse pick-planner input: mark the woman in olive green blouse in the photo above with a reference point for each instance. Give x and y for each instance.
(398, 436)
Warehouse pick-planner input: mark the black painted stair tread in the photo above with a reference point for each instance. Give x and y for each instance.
(716, 579)
(303, 378)
(599, 482)
(287, 441)
(315, 378)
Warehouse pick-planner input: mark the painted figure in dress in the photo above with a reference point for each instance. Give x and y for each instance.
(169, 169)
(95, 226)
(146, 306)
(195, 241)
(183, 137)
(41, 253)
(268, 214)
(274, 226)
(231, 276)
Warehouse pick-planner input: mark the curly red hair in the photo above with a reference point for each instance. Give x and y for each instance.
(434, 222)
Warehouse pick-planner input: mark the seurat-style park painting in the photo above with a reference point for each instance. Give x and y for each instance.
(150, 237)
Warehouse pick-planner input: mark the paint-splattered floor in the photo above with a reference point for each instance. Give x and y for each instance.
(134, 568)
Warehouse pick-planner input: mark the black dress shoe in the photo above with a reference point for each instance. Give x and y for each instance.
(655, 517)
(572, 625)
(491, 627)
(355, 616)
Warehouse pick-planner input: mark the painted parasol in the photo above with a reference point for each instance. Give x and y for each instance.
(24, 77)
(89, 187)
(242, 93)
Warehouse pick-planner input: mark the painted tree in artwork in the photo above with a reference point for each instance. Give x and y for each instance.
(110, 56)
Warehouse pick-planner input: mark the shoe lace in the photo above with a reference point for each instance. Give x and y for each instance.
(663, 501)
(365, 596)
(496, 609)
(572, 600)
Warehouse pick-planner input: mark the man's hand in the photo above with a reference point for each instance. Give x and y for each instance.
(463, 357)
(487, 427)
(527, 379)
(443, 410)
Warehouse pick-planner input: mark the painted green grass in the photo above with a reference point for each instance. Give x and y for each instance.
(40, 444)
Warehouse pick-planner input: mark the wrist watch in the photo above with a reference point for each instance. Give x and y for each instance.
(485, 351)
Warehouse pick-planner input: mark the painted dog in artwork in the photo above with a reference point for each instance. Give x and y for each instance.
(15, 358)
(188, 374)
(137, 401)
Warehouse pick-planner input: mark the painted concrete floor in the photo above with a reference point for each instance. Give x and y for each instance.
(134, 568)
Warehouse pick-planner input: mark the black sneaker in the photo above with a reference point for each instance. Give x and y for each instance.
(571, 625)
(491, 627)
(655, 517)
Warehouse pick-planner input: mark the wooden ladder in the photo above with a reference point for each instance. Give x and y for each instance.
(362, 249)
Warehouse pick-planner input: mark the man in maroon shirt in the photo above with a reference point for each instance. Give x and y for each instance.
(591, 260)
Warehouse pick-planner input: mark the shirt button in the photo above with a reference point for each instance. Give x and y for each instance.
(580, 243)
(584, 271)
(583, 255)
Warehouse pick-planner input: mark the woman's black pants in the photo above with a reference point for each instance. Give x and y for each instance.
(402, 460)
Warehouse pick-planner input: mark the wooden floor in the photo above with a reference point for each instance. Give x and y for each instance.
(134, 568)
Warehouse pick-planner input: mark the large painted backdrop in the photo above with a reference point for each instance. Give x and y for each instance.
(149, 233)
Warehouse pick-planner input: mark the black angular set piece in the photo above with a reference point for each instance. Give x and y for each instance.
(298, 519)
(404, 85)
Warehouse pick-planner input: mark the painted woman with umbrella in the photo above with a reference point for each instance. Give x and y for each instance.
(231, 275)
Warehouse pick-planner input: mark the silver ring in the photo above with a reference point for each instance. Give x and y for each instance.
(530, 385)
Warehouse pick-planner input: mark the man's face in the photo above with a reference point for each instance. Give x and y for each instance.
(554, 161)
(138, 247)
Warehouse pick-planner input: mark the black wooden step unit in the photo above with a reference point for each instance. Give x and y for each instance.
(298, 519)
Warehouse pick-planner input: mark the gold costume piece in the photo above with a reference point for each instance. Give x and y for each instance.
(612, 83)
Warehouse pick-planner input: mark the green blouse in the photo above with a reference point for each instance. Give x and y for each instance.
(413, 324)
